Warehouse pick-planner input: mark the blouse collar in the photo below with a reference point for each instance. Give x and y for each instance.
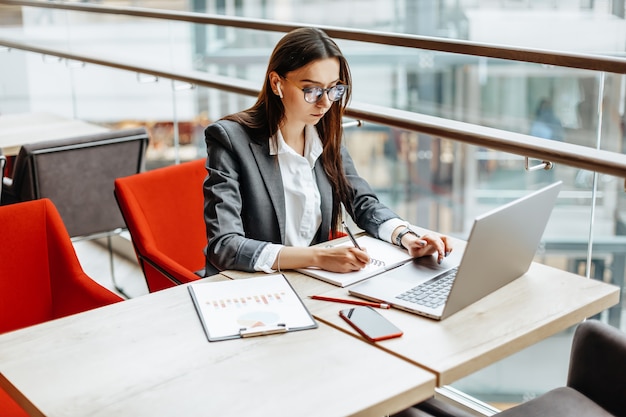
(312, 144)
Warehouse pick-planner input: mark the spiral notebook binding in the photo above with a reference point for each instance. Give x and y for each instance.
(377, 262)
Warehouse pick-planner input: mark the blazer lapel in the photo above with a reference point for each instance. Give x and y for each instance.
(326, 199)
(270, 172)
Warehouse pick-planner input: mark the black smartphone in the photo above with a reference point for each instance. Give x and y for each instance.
(370, 323)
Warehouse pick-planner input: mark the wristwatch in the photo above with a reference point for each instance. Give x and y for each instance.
(401, 235)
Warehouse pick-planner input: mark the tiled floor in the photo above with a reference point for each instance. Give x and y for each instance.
(94, 258)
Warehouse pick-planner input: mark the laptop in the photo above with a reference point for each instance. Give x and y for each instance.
(500, 248)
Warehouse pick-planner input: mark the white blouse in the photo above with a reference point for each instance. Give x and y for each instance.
(302, 197)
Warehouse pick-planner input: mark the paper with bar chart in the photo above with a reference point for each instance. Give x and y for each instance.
(249, 307)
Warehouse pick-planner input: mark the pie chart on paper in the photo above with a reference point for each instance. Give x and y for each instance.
(257, 319)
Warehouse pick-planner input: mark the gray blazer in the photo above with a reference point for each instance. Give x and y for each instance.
(244, 201)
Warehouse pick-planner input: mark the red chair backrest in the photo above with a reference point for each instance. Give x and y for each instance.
(40, 275)
(164, 212)
(25, 293)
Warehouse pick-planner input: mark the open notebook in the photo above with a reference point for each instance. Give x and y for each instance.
(384, 256)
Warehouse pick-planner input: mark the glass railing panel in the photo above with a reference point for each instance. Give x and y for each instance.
(144, 41)
(550, 102)
(35, 83)
(536, 23)
(167, 109)
(32, 83)
(502, 94)
(443, 185)
(492, 21)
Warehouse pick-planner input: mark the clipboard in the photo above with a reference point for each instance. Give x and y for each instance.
(249, 307)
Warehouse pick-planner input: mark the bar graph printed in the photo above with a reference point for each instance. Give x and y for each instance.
(253, 310)
(254, 300)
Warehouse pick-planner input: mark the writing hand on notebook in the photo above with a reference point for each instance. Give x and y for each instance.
(343, 258)
(426, 245)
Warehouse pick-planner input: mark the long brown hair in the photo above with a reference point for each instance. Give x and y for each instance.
(295, 50)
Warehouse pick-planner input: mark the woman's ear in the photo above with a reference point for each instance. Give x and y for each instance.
(274, 80)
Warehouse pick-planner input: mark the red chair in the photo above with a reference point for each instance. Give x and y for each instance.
(164, 212)
(9, 407)
(41, 278)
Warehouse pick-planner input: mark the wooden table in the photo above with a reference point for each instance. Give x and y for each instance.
(22, 128)
(149, 356)
(534, 307)
(540, 304)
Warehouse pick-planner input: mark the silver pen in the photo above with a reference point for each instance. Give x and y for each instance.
(345, 226)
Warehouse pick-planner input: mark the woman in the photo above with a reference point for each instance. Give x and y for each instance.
(278, 174)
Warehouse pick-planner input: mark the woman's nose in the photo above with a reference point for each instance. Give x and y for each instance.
(324, 101)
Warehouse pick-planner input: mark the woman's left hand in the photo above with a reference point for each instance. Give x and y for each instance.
(429, 244)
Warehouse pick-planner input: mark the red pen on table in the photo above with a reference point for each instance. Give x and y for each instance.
(348, 301)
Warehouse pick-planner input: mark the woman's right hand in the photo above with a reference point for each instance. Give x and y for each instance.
(342, 258)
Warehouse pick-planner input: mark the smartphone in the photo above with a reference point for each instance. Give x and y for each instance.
(370, 323)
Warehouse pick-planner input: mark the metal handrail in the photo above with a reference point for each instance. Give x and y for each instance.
(593, 62)
(578, 156)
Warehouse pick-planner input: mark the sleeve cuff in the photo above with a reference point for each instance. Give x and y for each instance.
(267, 258)
(386, 229)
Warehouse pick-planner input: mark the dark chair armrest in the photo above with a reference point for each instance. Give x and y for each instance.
(598, 365)
(433, 407)
(7, 195)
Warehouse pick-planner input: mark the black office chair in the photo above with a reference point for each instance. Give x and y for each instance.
(77, 174)
(596, 381)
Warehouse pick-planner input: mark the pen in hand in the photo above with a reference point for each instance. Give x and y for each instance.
(345, 226)
(356, 245)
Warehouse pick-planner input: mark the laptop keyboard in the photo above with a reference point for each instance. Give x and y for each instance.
(432, 293)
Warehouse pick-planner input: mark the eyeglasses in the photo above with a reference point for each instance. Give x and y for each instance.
(314, 94)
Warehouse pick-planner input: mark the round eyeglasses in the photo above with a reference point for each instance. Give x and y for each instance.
(314, 94)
